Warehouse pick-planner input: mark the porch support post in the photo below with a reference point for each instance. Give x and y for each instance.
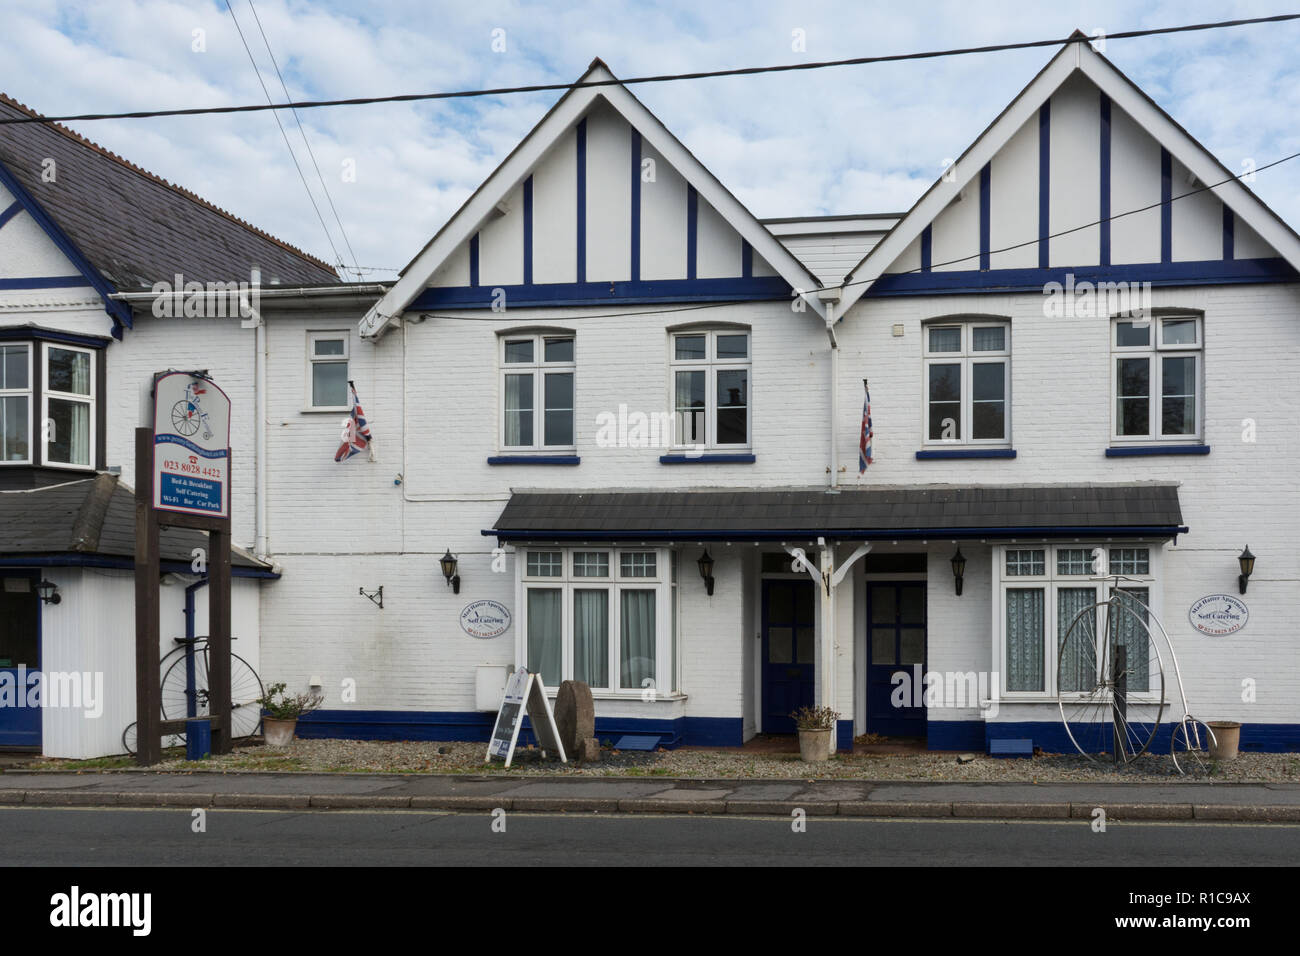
(825, 688)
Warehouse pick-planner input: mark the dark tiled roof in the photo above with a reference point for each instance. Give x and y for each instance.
(867, 513)
(95, 516)
(134, 227)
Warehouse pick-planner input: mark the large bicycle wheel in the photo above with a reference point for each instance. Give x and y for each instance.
(1190, 747)
(185, 692)
(1111, 711)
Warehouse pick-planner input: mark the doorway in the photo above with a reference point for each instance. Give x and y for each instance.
(789, 646)
(896, 643)
(20, 661)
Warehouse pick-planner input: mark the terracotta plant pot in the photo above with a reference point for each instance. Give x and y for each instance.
(1227, 735)
(815, 745)
(278, 733)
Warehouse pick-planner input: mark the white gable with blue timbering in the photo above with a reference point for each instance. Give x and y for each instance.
(1081, 178)
(599, 205)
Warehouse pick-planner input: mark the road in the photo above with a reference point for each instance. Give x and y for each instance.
(139, 837)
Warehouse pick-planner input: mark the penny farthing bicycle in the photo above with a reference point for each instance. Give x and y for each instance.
(1111, 679)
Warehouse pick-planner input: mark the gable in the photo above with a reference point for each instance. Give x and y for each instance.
(29, 258)
(1082, 174)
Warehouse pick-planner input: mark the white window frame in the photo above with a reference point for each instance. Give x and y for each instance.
(967, 358)
(313, 360)
(538, 368)
(90, 400)
(615, 583)
(1154, 352)
(711, 365)
(1051, 582)
(32, 435)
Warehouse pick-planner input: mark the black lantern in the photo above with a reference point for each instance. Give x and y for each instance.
(706, 571)
(958, 568)
(1247, 562)
(449, 563)
(49, 592)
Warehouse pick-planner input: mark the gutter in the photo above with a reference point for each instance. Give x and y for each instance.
(843, 534)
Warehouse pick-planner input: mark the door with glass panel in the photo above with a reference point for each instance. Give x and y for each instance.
(896, 644)
(20, 661)
(788, 649)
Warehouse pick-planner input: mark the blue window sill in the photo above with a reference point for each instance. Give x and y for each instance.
(966, 453)
(534, 460)
(707, 459)
(1128, 451)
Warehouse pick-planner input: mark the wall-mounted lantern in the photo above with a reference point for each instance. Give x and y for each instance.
(49, 592)
(449, 564)
(1247, 562)
(958, 568)
(706, 571)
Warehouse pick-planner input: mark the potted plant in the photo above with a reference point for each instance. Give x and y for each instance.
(1227, 735)
(280, 713)
(815, 725)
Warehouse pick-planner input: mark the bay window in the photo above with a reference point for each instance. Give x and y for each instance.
(69, 406)
(537, 392)
(1156, 378)
(15, 402)
(967, 382)
(601, 616)
(710, 387)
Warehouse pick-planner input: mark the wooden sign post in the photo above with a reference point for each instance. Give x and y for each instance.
(182, 480)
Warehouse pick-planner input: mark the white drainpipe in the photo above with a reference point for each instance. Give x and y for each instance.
(830, 298)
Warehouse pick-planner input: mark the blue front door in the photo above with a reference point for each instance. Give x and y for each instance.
(895, 645)
(788, 647)
(20, 661)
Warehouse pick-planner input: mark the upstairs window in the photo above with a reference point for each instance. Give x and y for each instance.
(69, 406)
(1156, 369)
(968, 383)
(537, 374)
(15, 403)
(710, 381)
(328, 371)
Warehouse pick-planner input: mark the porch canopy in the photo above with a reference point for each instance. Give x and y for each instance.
(1148, 510)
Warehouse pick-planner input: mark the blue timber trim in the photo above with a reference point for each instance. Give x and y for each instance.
(45, 282)
(954, 735)
(1166, 206)
(1137, 451)
(1204, 272)
(1044, 183)
(707, 459)
(843, 735)
(12, 210)
(609, 293)
(528, 231)
(1104, 211)
(30, 332)
(1051, 736)
(473, 261)
(692, 231)
(927, 248)
(986, 209)
(534, 460)
(120, 312)
(76, 560)
(581, 136)
(746, 259)
(840, 534)
(1229, 233)
(636, 206)
(473, 725)
(941, 453)
(22, 726)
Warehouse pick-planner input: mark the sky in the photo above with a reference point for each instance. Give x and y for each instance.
(835, 141)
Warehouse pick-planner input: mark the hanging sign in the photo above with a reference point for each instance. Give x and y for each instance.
(1219, 615)
(191, 446)
(485, 619)
(524, 692)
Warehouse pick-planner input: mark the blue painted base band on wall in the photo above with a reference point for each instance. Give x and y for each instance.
(1050, 736)
(844, 735)
(477, 726)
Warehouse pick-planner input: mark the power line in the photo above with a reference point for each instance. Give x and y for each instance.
(302, 129)
(288, 145)
(660, 78)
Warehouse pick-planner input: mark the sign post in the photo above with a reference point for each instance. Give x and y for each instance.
(182, 478)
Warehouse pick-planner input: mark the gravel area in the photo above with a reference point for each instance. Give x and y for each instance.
(467, 758)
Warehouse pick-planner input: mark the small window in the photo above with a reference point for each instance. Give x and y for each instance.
(1073, 561)
(591, 564)
(1130, 561)
(69, 406)
(1156, 379)
(537, 390)
(968, 383)
(328, 370)
(637, 564)
(15, 403)
(711, 389)
(545, 564)
(1026, 562)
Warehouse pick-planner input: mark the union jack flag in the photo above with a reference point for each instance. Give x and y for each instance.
(864, 441)
(356, 433)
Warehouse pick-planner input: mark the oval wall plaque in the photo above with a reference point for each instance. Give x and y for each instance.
(485, 619)
(1219, 615)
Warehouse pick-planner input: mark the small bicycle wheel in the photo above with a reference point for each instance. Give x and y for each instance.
(185, 692)
(129, 740)
(1190, 746)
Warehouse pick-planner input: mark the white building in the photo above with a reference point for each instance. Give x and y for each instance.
(603, 367)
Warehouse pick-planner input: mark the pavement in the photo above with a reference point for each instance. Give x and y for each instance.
(1253, 802)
